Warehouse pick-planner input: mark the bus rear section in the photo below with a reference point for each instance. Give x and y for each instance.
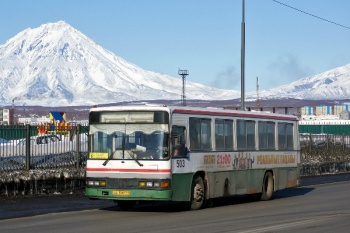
(234, 153)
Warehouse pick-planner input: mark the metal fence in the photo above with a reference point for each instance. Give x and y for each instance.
(324, 154)
(39, 159)
(26, 148)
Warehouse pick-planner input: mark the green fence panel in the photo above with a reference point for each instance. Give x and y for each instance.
(325, 129)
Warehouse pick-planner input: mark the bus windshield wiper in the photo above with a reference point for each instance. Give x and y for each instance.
(105, 162)
(109, 158)
(132, 155)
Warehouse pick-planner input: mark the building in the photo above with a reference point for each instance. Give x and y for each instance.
(344, 115)
(6, 116)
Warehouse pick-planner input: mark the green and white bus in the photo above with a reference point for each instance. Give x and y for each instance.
(187, 154)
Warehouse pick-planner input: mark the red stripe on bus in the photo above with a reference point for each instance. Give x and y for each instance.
(127, 170)
(253, 115)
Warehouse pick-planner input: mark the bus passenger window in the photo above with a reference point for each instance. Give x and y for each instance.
(200, 134)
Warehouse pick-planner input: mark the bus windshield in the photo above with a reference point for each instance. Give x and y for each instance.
(129, 141)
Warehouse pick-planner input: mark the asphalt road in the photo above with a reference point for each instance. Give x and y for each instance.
(321, 204)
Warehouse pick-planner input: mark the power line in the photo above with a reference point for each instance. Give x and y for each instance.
(315, 16)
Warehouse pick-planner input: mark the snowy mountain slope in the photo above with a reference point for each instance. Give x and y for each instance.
(56, 65)
(333, 84)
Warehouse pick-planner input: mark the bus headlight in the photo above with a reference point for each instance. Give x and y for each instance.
(149, 184)
(90, 183)
(101, 183)
(154, 184)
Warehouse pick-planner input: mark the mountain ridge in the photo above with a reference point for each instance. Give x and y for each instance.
(57, 65)
(326, 85)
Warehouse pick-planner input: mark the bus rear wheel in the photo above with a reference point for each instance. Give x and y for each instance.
(267, 187)
(126, 205)
(197, 194)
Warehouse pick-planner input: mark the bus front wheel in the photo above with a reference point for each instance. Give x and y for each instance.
(197, 195)
(267, 187)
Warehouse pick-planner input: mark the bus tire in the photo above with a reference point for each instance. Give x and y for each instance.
(197, 193)
(267, 187)
(126, 205)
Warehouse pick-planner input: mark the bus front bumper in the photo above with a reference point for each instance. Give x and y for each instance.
(132, 194)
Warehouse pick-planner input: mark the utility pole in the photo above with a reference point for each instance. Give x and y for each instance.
(183, 73)
(257, 95)
(242, 58)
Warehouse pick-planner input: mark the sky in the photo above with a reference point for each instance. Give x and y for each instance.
(282, 44)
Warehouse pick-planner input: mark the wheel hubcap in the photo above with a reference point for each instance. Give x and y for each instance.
(198, 193)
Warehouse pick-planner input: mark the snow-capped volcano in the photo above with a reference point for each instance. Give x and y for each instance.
(56, 65)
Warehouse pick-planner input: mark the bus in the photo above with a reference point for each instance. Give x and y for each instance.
(189, 154)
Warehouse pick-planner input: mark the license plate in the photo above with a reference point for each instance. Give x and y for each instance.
(121, 192)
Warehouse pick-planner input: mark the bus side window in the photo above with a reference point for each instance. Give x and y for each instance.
(178, 141)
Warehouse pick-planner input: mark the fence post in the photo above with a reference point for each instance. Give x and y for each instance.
(27, 130)
(310, 141)
(78, 146)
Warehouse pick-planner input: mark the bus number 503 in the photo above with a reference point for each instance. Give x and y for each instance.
(180, 163)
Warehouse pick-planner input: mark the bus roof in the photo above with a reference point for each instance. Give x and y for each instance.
(198, 111)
